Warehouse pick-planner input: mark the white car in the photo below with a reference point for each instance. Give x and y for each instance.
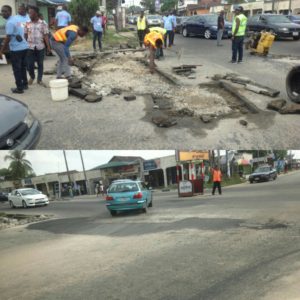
(27, 198)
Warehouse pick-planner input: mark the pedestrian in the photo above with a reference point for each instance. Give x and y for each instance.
(221, 26)
(37, 36)
(71, 191)
(60, 42)
(238, 34)
(41, 16)
(97, 29)
(153, 41)
(159, 51)
(141, 27)
(97, 190)
(22, 16)
(18, 48)
(174, 24)
(62, 17)
(217, 179)
(104, 22)
(168, 25)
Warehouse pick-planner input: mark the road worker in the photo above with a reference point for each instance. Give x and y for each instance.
(159, 51)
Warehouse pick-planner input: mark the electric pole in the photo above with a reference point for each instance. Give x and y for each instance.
(68, 172)
(85, 178)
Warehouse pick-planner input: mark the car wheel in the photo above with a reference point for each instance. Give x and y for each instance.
(296, 38)
(207, 34)
(24, 204)
(185, 32)
(251, 181)
(11, 204)
(113, 213)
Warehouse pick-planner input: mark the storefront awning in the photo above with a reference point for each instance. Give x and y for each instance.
(53, 2)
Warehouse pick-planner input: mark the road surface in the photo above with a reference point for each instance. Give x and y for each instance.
(242, 245)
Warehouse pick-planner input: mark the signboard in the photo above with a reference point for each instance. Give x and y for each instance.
(193, 155)
(185, 188)
(151, 164)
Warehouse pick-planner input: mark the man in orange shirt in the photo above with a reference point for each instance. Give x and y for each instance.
(217, 179)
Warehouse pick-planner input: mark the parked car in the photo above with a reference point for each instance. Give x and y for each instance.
(132, 20)
(205, 25)
(280, 25)
(124, 195)
(3, 196)
(179, 23)
(27, 198)
(263, 173)
(154, 20)
(19, 129)
(294, 18)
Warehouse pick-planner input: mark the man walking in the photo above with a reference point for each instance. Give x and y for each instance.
(217, 178)
(174, 24)
(238, 35)
(97, 30)
(141, 27)
(62, 18)
(168, 25)
(60, 42)
(221, 25)
(104, 22)
(18, 48)
(37, 35)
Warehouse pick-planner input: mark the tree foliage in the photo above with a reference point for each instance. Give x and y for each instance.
(149, 5)
(168, 5)
(19, 167)
(279, 154)
(111, 4)
(83, 10)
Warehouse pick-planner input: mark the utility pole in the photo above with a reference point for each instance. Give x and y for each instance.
(85, 178)
(290, 7)
(273, 5)
(67, 167)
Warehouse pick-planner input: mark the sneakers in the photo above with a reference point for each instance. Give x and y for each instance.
(30, 81)
(17, 91)
(232, 62)
(240, 62)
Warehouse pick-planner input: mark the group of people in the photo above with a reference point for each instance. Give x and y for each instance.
(239, 25)
(28, 38)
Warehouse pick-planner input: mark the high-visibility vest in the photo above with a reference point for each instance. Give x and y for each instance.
(160, 30)
(141, 23)
(61, 34)
(243, 24)
(152, 37)
(217, 175)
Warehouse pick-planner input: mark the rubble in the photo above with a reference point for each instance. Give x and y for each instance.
(276, 105)
(80, 93)
(130, 97)
(206, 118)
(93, 98)
(290, 109)
(243, 122)
(164, 121)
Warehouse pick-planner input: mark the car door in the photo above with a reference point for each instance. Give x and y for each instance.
(253, 23)
(200, 25)
(18, 198)
(191, 25)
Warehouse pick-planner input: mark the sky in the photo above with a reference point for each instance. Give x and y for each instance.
(46, 161)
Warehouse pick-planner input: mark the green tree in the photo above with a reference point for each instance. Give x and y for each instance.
(168, 5)
(111, 4)
(5, 173)
(83, 10)
(19, 167)
(149, 5)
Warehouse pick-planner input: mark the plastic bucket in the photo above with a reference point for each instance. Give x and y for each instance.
(59, 89)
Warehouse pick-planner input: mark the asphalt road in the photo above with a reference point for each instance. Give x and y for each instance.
(241, 245)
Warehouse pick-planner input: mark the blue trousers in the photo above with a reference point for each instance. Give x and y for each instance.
(36, 56)
(237, 48)
(19, 65)
(97, 36)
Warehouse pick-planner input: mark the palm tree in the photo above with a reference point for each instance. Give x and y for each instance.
(19, 167)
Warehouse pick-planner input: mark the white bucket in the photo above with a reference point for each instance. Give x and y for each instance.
(59, 89)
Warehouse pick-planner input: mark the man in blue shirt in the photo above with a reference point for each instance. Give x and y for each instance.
(18, 48)
(97, 29)
(168, 25)
(174, 23)
(63, 18)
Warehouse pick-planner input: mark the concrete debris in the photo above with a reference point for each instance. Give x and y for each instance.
(75, 83)
(206, 118)
(277, 105)
(186, 112)
(48, 121)
(80, 93)
(116, 91)
(255, 89)
(155, 107)
(130, 97)
(290, 109)
(192, 77)
(164, 121)
(243, 122)
(93, 98)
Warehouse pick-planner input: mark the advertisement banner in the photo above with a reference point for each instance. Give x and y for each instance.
(193, 155)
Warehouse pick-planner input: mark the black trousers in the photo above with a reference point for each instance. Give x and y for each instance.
(97, 36)
(36, 56)
(141, 35)
(172, 37)
(237, 48)
(217, 184)
(168, 36)
(19, 65)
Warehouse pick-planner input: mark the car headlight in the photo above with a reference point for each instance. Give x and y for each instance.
(283, 29)
(29, 119)
(214, 27)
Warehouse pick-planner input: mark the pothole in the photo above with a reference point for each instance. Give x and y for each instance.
(271, 224)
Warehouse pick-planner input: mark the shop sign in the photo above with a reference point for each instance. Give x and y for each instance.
(185, 188)
(151, 164)
(193, 155)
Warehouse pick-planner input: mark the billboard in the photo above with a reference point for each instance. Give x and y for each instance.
(192, 155)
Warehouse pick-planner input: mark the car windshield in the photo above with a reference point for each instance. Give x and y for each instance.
(123, 187)
(29, 192)
(211, 18)
(278, 19)
(296, 18)
(153, 17)
(262, 170)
